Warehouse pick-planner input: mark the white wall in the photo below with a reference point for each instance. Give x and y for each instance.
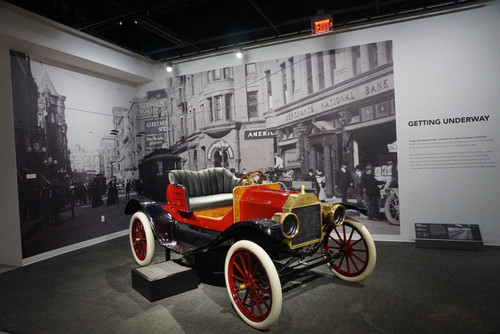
(445, 65)
(10, 235)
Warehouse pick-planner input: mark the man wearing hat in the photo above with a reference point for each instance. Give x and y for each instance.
(370, 185)
(343, 180)
(358, 187)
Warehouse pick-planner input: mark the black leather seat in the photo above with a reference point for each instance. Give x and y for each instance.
(205, 189)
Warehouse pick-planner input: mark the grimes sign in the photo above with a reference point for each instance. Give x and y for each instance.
(156, 131)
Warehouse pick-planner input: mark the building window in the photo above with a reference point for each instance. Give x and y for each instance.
(269, 89)
(192, 85)
(210, 109)
(194, 119)
(309, 74)
(283, 81)
(373, 55)
(218, 107)
(252, 103)
(228, 106)
(356, 60)
(389, 50)
(251, 69)
(321, 70)
(367, 113)
(382, 109)
(195, 159)
(333, 65)
(216, 74)
(292, 74)
(227, 73)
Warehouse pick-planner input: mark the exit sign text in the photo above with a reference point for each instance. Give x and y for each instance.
(321, 26)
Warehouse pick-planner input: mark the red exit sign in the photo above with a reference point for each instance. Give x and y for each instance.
(321, 25)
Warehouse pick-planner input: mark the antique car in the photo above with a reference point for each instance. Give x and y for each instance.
(269, 233)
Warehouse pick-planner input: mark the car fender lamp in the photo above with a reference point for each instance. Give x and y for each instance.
(289, 223)
(334, 214)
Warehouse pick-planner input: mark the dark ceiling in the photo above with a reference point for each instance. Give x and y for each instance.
(169, 29)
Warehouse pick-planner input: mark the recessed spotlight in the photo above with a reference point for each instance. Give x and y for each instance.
(239, 53)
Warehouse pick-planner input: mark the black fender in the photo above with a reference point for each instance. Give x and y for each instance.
(160, 220)
(349, 206)
(264, 232)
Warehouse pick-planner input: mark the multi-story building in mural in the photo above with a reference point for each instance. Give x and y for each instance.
(333, 107)
(314, 111)
(40, 124)
(85, 164)
(51, 117)
(42, 153)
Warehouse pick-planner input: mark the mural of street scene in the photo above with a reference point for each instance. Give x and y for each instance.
(84, 145)
(326, 120)
(67, 189)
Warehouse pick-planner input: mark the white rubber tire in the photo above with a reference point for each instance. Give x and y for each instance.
(142, 240)
(370, 248)
(273, 278)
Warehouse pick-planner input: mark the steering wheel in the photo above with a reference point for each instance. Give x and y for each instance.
(249, 178)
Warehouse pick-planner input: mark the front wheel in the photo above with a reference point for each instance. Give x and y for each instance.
(253, 284)
(142, 241)
(353, 250)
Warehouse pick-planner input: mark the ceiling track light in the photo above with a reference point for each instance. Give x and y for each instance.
(239, 53)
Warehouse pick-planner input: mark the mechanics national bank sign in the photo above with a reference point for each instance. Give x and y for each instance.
(332, 101)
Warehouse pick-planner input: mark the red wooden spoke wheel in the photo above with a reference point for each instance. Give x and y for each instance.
(356, 248)
(253, 284)
(141, 239)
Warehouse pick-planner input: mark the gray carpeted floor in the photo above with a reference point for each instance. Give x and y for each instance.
(412, 290)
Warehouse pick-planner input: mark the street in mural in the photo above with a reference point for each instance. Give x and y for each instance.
(84, 145)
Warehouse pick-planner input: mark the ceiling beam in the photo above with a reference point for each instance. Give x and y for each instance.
(261, 13)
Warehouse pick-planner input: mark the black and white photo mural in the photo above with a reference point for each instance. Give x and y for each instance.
(66, 154)
(84, 145)
(325, 119)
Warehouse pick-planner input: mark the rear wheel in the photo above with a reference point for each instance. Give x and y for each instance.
(142, 241)
(253, 284)
(355, 249)
(391, 209)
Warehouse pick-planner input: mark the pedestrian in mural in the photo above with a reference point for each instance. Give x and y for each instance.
(278, 161)
(96, 195)
(321, 181)
(127, 189)
(115, 191)
(54, 205)
(343, 181)
(371, 187)
(72, 191)
(310, 176)
(111, 193)
(358, 187)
